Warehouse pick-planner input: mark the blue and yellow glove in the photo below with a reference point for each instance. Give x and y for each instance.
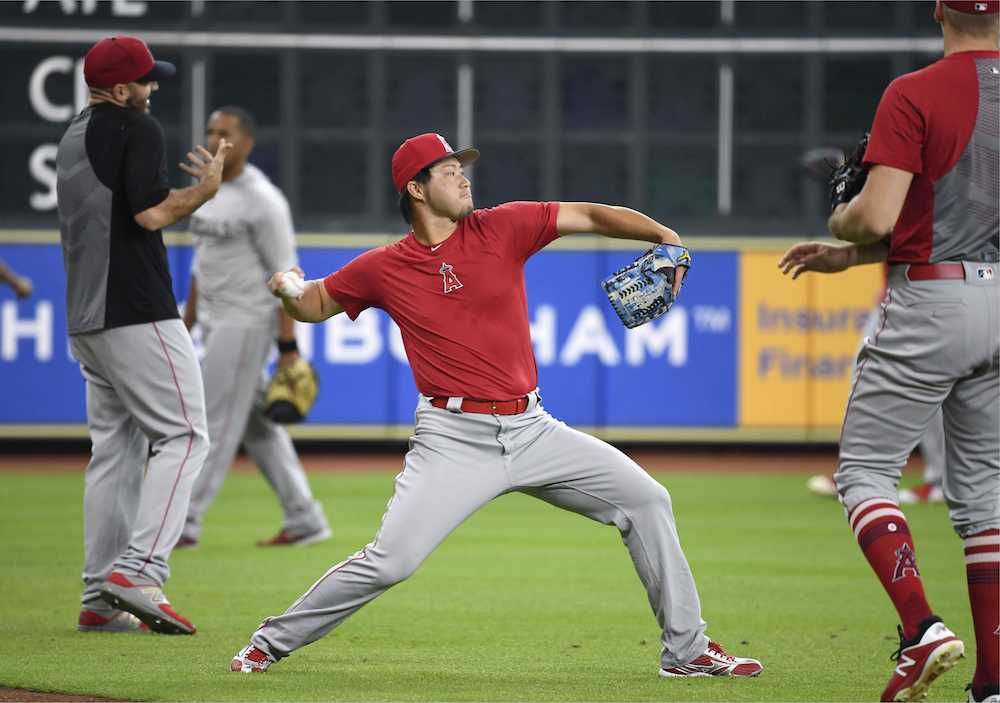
(644, 290)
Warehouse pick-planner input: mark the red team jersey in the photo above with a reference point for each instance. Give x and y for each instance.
(940, 124)
(461, 306)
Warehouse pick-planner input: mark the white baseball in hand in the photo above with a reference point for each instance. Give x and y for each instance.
(292, 285)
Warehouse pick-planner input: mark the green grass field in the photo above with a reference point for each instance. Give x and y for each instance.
(523, 602)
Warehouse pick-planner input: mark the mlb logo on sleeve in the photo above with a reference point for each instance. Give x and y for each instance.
(985, 273)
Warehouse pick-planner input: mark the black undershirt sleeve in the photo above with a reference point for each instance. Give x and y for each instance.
(145, 165)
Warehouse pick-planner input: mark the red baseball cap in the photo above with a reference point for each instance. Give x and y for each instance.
(974, 7)
(417, 153)
(123, 59)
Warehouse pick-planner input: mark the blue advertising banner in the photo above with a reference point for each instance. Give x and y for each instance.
(679, 371)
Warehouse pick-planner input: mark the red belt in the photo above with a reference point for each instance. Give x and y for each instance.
(487, 407)
(935, 272)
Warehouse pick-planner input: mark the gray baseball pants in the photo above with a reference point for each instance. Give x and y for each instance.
(458, 462)
(146, 416)
(234, 363)
(932, 441)
(938, 346)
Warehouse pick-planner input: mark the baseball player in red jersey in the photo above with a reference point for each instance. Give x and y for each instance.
(455, 286)
(930, 208)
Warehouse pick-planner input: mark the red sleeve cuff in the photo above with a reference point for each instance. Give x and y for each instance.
(553, 233)
(910, 165)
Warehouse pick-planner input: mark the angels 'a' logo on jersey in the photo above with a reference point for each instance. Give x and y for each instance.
(451, 281)
(906, 560)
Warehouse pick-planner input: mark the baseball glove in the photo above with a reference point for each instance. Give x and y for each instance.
(643, 290)
(292, 392)
(849, 178)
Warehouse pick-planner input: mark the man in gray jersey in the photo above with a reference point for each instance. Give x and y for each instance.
(240, 237)
(931, 209)
(145, 404)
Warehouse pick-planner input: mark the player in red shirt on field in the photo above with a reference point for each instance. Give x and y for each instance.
(931, 208)
(455, 286)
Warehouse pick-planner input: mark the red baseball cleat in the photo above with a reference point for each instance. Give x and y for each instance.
(186, 543)
(144, 598)
(286, 539)
(715, 662)
(251, 660)
(921, 493)
(921, 660)
(113, 621)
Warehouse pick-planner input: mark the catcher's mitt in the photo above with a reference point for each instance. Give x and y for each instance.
(292, 392)
(849, 178)
(643, 290)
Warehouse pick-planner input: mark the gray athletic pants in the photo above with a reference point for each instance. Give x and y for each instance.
(938, 346)
(932, 441)
(146, 416)
(932, 450)
(457, 463)
(234, 362)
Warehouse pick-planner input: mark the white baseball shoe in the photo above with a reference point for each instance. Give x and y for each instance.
(921, 493)
(251, 660)
(145, 599)
(286, 539)
(921, 660)
(715, 662)
(110, 621)
(822, 485)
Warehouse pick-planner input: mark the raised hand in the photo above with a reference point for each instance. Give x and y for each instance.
(206, 167)
(815, 256)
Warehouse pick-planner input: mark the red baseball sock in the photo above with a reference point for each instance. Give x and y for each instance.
(982, 567)
(884, 537)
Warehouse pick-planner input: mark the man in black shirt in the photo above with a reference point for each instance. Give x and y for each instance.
(145, 403)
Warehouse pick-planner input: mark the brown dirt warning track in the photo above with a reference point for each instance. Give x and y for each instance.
(709, 459)
(20, 694)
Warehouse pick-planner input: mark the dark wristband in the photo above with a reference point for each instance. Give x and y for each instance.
(286, 347)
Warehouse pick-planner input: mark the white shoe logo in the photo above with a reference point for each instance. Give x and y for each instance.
(904, 663)
(154, 594)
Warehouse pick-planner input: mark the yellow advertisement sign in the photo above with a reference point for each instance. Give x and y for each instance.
(799, 340)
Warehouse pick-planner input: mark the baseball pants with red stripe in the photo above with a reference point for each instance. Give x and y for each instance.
(146, 416)
(937, 346)
(458, 462)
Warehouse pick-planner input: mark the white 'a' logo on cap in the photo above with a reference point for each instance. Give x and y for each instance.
(444, 142)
